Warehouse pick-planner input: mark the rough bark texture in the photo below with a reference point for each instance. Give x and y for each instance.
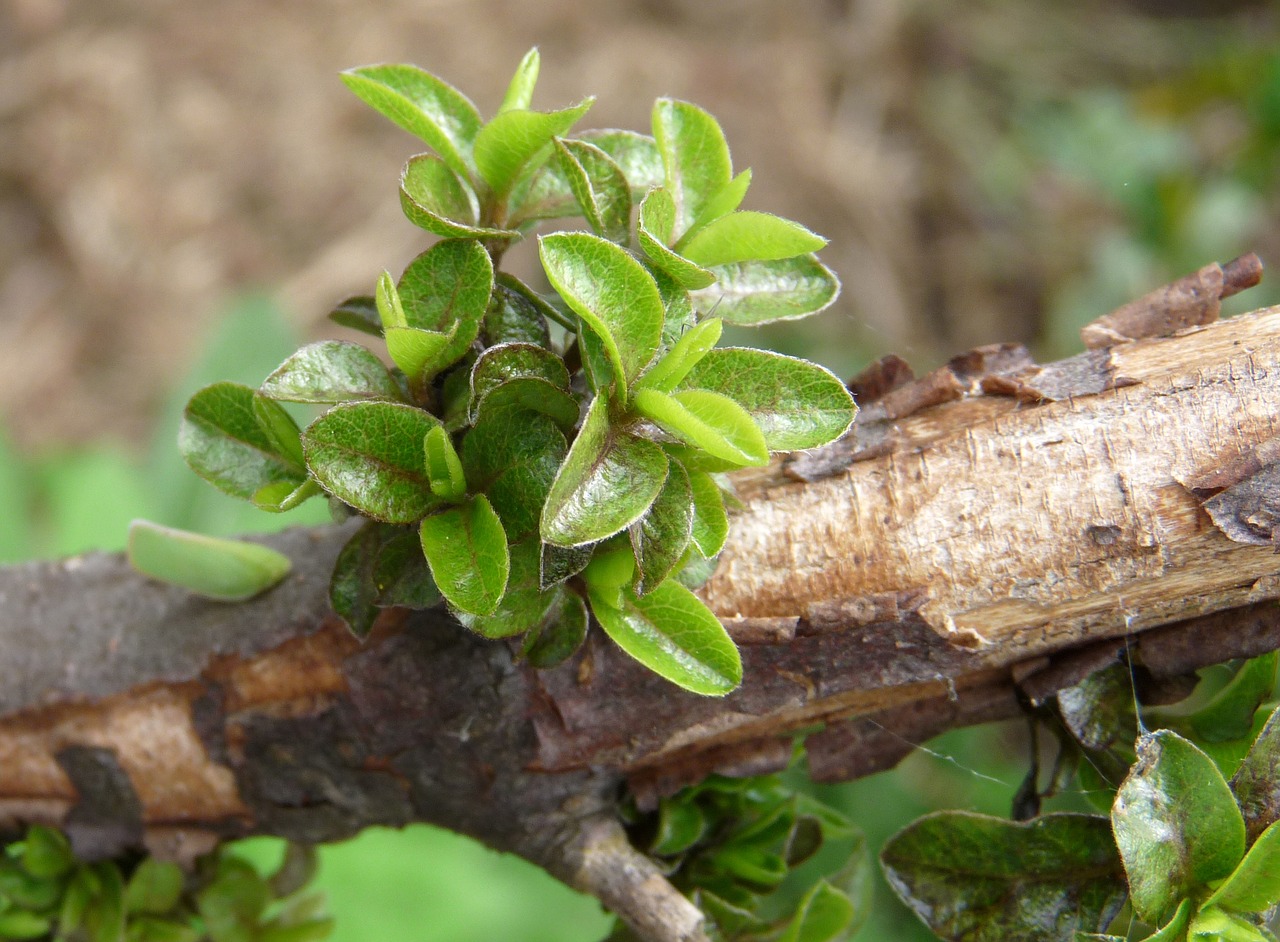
(993, 532)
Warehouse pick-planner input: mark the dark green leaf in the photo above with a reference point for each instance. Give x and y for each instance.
(222, 441)
(681, 824)
(400, 573)
(46, 852)
(561, 562)
(599, 187)
(1176, 824)
(466, 549)
(155, 887)
(655, 232)
(1254, 886)
(707, 421)
(710, 521)
(516, 314)
(749, 236)
(660, 537)
(824, 915)
(1217, 712)
(753, 293)
(221, 569)
(358, 313)
(513, 458)
(523, 376)
(524, 605)
(683, 356)
(331, 371)
(984, 879)
(1099, 710)
(694, 155)
(353, 592)
(520, 90)
(437, 199)
(505, 147)
(796, 404)
(611, 292)
(561, 633)
(104, 916)
(673, 634)
(607, 482)
(424, 106)
(1257, 782)
(444, 467)
(444, 294)
(369, 455)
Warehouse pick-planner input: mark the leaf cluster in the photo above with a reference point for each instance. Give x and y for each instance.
(528, 457)
(46, 893)
(1189, 839)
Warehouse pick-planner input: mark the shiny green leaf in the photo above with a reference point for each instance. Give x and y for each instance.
(753, 293)
(282, 496)
(985, 879)
(795, 403)
(516, 314)
(444, 467)
(1175, 929)
(1098, 710)
(506, 146)
(561, 562)
(681, 824)
(358, 313)
(710, 521)
(1176, 824)
(524, 605)
(660, 537)
(513, 457)
(386, 299)
(655, 232)
(520, 90)
(549, 195)
(675, 364)
(466, 549)
(437, 199)
(561, 633)
(695, 157)
(532, 377)
(1257, 782)
(328, 372)
(400, 573)
(369, 455)
(221, 569)
(707, 421)
(607, 482)
(1254, 886)
(611, 292)
(222, 441)
(598, 186)
(444, 294)
(749, 236)
(424, 106)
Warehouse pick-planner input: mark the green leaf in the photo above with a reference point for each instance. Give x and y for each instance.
(507, 145)
(1254, 886)
(1221, 711)
(46, 852)
(612, 293)
(524, 605)
(673, 634)
(437, 199)
(282, 496)
(1176, 824)
(655, 231)
(222, 441)
(754, 293)
(612, 567)
(985, 879)
(599, 187)
(520, 91)
(562, 632)
(331, 371)
(549, 195)
(233, 903)
(681, 824)
(710, 521)
(725, 200)
(683, 356)
(1175, 929)
(513, 457)
(358, 313)
(660, 537)
(708, 421)
(749, 236)
(369, 455)
(444, 294)
(1098, 710)
(387, 300)
(796, 404)
(695, 157)
(104, 916)
(424, 106)
(523, 376)
(279, 428)
(1212, 924)
(421, 354)
(353, 592)
(400, 573)
(21, 924)
(515, 314)
(225, 570)
(559, 563)
(155, 887)
(607, 482)
(823, 916)
(466, 549)
(1257, 782)
(444, 467)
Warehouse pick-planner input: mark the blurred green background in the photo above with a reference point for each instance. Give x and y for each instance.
(1008, 172)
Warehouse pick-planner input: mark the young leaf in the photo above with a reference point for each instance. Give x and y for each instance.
(725, 200)
(599, 187)
(1224, 711)
(421, 354)
(795, 403)
(1176, 824)
(710, 521)
(221, 439)
(1212, 924)
(520, 91)
(224, 570)
(754, 293)
(612, 293)
(1257, 782)
(1254, 886)
(655, 231)
(562, 632)
(972, 876)
(387, 300)
(444, 468)
(824, 915)
(436, 199)
(660, 537)
(279, 428)
(330, 371)
(506, 146)
(607, 482)
(46, 853)
(673, 634)
(549, 195)
(676, 363)
(283, 496)
(424, 106)
(512, 457)
(612, 568)
(707, 421)
(749, 236)
(358, 313)
(443, 295)
(369, 455)
(695, 157)
(466, 549)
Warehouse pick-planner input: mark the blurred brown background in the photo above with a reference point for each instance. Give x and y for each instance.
(971, 163)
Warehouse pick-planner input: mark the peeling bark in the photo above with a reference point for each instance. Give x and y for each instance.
(991, 534)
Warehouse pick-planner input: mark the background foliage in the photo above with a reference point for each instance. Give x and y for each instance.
(1008, 174)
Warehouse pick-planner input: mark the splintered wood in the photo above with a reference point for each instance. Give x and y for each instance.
(1032, 526)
